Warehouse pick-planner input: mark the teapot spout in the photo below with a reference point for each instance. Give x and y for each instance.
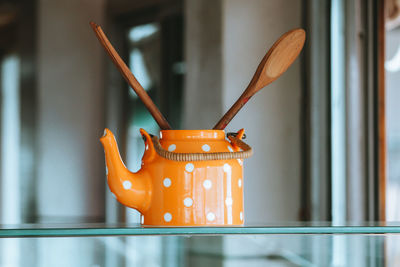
(130, 189)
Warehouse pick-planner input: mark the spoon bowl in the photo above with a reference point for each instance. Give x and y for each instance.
(284, 54)
(278, 59)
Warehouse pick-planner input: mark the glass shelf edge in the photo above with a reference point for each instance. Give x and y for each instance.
(76, 232)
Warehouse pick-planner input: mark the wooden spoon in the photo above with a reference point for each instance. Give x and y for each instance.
(130, 78)
(277, 60)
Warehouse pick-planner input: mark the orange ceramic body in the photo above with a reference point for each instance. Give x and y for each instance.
(173, 193)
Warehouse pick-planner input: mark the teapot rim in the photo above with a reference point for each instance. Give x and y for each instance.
(192, 134)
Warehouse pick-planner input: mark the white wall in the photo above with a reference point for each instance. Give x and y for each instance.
(70, 116)
(203, 55)
(271, 118)
(70, 121)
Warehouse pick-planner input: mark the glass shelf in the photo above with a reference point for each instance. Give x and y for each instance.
(65, 230)
(283, 244)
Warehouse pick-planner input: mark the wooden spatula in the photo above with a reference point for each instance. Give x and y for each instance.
(130, 78)
(277, 60)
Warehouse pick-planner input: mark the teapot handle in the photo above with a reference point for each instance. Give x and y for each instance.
(240, 135)
(149, 153)
(247, 151)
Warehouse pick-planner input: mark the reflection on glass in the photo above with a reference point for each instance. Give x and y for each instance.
(393, 123)
(140, 70)
(393, 64)
(10, 139)
(141, 32)
(144, 51)
(392, 75)
(10, 147)
(243, 250)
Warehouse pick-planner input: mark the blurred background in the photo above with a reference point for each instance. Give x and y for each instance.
(326, 134)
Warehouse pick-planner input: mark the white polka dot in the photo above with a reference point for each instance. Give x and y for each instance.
(240, 182)
(207, 184)
(228, 201)
(142, 219)
(189, 167)
(210, 216)
(147, 147)
(167, 182)
(127, 185)
(227, 167)
(205, 148)
(167, 217)
(241, 215)
(188, 202)
(172, 147)
(230, 148)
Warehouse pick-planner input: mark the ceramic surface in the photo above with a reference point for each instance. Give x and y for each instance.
(173, 193)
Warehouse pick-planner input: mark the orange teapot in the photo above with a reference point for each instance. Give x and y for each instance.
(187, 178)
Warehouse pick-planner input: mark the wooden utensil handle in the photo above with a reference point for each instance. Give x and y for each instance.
(224, 121)
(130, 78)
